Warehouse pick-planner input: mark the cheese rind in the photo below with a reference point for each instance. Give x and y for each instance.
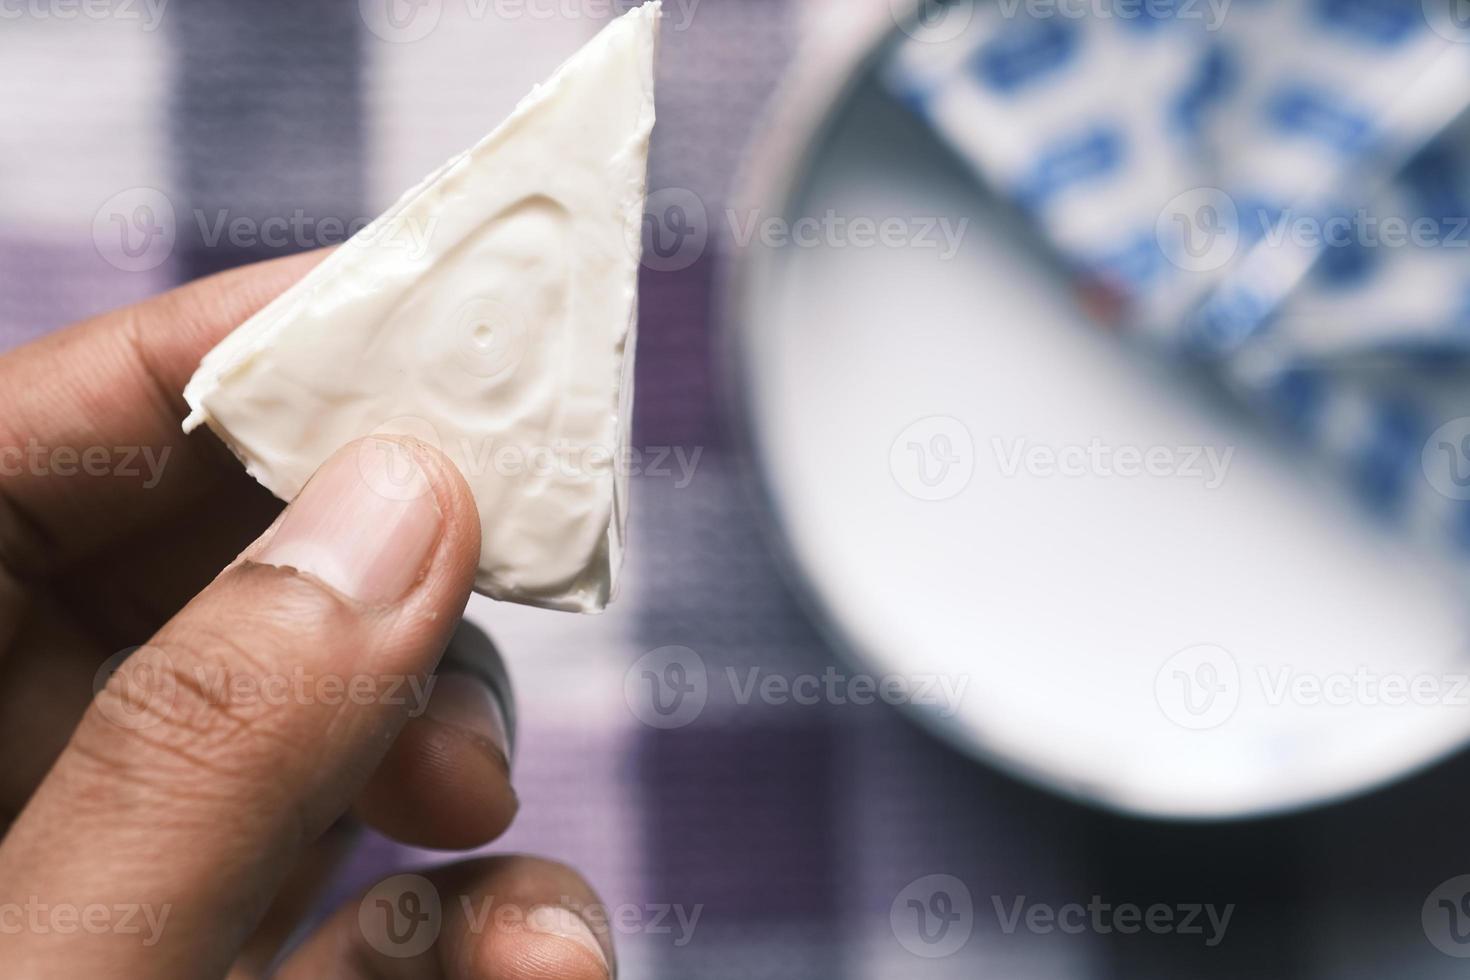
(490, 312)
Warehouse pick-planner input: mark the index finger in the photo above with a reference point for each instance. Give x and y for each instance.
(102, 398)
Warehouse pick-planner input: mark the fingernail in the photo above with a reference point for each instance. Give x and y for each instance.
(364, 524)
(465, 702)
(556, 920)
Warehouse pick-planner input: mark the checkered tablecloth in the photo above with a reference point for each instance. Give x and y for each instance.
(797, 834)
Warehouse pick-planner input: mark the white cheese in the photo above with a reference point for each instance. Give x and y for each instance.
(491, 312)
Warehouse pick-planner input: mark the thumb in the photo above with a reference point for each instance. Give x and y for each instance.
(228, 743)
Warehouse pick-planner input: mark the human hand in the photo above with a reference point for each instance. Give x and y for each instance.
(203, 787)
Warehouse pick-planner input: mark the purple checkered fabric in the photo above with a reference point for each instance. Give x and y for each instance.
(793, 832)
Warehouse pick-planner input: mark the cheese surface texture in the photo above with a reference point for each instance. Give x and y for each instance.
(490, 312)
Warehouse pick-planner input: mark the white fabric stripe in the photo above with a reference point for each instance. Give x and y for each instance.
(85, 116)
(429, 97)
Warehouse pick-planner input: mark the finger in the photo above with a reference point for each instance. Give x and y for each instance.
(504, 918)
(127, 588)
(445, 783)
(222, 749)
(43, 695)
(54, 639)
(90, 445)
(299, 893)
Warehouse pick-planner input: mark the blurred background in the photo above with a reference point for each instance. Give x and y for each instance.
(713, 753)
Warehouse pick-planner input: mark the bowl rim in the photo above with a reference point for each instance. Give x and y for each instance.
(828, 66)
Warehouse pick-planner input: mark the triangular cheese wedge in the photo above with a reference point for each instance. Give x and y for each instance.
(491, 312)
